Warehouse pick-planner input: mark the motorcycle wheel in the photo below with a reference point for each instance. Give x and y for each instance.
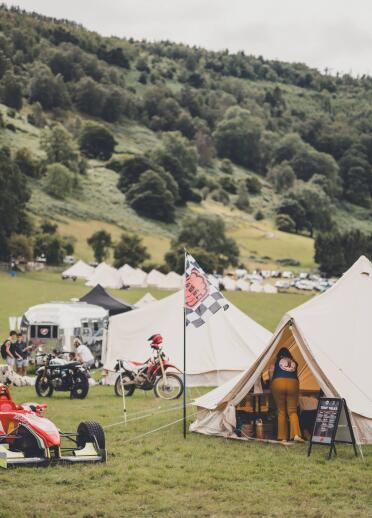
(81, 386)
(172, 389)
(43, 386)
(128, 390)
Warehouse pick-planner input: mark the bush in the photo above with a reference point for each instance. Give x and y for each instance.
(220, 196)
(259, 215)
(96, 141)
(49, 90)
(59, 181)
(226, 166)
(151, 198)
(253, 184)
(20, 246)
(27, 163)
(285, 223)
(242, 201)
(12, 91)
(228, 184)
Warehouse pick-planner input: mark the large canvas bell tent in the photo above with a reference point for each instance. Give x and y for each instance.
(79, 270)
(330, 337)
(227, 344)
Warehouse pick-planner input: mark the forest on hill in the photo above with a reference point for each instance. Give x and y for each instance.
(170, 127)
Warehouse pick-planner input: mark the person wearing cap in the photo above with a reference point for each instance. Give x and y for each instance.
(285, 390)
(83, 354)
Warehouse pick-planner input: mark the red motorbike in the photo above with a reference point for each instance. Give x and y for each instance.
(151, 375)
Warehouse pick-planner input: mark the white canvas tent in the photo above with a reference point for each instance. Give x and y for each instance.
(106, 276)
(145, 300)
(133, 277)
(330, 338)
(155, 279)
(172, 281)
(229, 283)
(227, 344)
(79, 270)
(269, 288)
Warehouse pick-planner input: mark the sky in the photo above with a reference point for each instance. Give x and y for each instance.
(332, 34)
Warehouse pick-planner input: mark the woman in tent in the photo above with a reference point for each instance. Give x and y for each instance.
(285, 390)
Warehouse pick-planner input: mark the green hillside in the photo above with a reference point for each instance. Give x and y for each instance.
(226, 134)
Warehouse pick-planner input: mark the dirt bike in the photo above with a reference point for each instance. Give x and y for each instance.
(151, 375)
(61, 375)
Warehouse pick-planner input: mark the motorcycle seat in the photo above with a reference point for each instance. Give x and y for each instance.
(65, 365)
(137, 364)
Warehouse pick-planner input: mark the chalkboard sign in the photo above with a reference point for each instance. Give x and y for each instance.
(332, 425)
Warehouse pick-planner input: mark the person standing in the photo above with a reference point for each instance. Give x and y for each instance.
(285, 389)
(23, 350)
(10, 349)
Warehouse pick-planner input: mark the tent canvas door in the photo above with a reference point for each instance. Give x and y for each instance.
(227, 344)
(330, 337)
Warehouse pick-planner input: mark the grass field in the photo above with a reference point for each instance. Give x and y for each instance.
(161, 474)
(18, 294)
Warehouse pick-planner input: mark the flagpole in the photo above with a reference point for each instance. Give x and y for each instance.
(184, 352)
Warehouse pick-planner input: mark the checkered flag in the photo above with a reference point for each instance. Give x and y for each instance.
(202, 299)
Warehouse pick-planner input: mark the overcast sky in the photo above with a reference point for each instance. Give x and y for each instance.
(336, 34)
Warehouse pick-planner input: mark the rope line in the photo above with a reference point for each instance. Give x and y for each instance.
(157, 429)
(143, 416)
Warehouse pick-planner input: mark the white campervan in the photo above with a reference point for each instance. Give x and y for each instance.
(56, 324)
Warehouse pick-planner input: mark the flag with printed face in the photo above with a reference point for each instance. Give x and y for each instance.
(202, 299)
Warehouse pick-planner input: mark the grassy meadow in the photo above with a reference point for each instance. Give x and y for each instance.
(161, 474)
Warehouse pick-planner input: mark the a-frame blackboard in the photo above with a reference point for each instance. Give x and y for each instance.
(332, 425)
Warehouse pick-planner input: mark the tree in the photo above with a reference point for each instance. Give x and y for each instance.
(20, 246)
(49, 90)
(208, 233)
(237, 137)
(52, 246)
(58, 146)
(242, 201)
(59, 181)
(130, 250)
(179, 158)
(100, 242)
(285, 223)
(96, 141)
(356, 184)
(253, 185)
(336, 251)
(282, 176)
(12, 91)
(175, 259)
(150, 197)
(131, 171)
(89, 96)
(14, 193)
(309, 207)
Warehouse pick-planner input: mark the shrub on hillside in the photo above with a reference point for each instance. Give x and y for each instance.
(285, 223)
(59, 181)
(96, 141)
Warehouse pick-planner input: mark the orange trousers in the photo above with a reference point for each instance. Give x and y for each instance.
(285, 392)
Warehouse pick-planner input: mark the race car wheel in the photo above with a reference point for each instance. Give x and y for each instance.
(90, 431)
(43, 386)
(81, 386)
(129, 387)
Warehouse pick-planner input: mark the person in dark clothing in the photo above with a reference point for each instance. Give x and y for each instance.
(285, 390)
(23, 351)
(11, 349)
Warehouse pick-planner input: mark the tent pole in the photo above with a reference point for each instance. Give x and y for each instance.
(184, 353)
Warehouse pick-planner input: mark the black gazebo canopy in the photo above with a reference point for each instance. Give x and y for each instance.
(100, 297)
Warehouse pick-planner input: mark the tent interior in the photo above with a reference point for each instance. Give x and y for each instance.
(256, 415)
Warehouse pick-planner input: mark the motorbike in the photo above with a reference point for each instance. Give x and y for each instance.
(61, 375)
(151, 375)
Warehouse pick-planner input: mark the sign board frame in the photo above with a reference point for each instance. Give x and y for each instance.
(333, 419)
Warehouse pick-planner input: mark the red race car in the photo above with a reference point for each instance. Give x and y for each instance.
(29, 438)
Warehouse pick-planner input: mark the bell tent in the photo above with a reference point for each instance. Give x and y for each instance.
(107, 276)
(134, 278)
(227, 344)
(99, 297)
(79, 270)
(145, 300)
(330, 338)
(155, 279)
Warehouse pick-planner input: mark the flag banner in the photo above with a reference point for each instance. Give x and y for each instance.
(202, 299)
